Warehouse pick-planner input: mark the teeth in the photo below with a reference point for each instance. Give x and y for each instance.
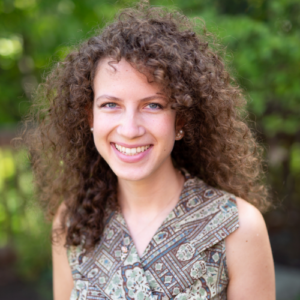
(131, 151)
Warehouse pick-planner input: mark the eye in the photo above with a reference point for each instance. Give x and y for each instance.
(109, 105)
(154, 106)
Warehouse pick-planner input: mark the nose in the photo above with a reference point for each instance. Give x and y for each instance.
(130, 126)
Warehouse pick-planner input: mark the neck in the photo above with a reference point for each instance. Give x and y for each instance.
(150, 195)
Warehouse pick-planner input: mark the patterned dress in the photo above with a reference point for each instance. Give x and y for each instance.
(185, 260)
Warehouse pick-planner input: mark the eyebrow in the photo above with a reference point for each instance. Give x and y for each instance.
(143, 99)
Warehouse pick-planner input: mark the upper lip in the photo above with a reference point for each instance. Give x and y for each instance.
(132, 146)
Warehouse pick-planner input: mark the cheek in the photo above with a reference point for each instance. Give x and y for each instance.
(102, 129)
(165, 128)
(103, 123)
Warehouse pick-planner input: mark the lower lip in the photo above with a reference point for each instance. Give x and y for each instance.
(131, 158)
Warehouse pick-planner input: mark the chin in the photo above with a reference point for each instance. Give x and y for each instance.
(131, 175)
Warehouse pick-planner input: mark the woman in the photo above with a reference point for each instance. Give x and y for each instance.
(141, 141)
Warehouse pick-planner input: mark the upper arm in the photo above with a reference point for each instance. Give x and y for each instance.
(62, 275)
(249, 257)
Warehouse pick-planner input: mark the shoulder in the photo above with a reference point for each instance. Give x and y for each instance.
(248, 252)
(62, 273)
(250, 218)
(252, 229)
(251, 225)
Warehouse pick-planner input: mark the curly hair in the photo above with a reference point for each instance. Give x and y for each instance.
(218, 145)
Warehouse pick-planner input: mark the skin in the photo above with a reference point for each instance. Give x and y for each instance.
(131, 111)
(62, 275)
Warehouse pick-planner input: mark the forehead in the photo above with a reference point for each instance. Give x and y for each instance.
(113, 75)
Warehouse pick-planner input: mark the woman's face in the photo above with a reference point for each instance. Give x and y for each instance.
(134, 125)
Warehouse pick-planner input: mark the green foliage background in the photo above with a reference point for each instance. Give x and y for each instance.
(262, 41)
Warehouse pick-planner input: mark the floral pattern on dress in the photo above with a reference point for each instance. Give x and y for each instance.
(185, 252)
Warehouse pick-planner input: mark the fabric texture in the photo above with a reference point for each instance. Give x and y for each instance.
(185, 260)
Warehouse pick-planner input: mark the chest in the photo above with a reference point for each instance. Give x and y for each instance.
(142, 230)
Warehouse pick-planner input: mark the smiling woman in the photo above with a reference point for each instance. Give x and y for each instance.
(141, 152)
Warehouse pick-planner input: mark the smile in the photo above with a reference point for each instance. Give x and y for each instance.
(131, 151)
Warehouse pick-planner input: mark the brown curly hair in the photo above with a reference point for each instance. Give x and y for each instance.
(217, 146)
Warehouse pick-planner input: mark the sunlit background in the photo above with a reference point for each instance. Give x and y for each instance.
(262, 41)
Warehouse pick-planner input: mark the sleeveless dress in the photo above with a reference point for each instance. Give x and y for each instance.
(185, 260)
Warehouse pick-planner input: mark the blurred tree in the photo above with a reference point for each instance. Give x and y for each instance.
(23, 228)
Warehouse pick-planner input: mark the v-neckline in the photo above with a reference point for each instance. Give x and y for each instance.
(187, 177)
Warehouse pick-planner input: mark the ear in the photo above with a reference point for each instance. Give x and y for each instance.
(179, 123)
